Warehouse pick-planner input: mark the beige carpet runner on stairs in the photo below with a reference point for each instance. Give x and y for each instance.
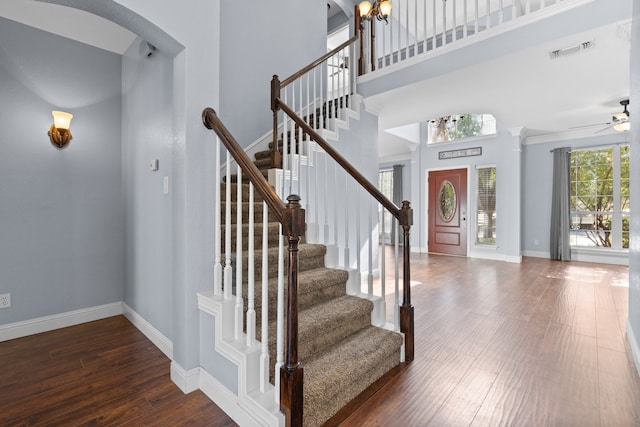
(340, 351)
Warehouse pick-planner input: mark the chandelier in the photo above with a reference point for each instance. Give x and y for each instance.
(378, 9)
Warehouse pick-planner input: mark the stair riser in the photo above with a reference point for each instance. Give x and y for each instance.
(234, 192)
(257, 213)
(308, 259)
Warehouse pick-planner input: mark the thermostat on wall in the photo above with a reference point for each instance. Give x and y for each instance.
(154, 164)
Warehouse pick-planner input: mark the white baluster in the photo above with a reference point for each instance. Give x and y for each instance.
(454, 30)
(488, 13)
(444, 23)
(335, 209)
(217, 269)
(501, 12)
(370, 239)
(308, 154)
(383, 264)
(465, 10)
(280, 315)
(435, 31)
(251, 309)
(347, 260)
(238, 308)
(477, 25)
(228, 270)
(397, 280)
(264, 315)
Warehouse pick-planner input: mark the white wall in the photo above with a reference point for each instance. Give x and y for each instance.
(61, 233)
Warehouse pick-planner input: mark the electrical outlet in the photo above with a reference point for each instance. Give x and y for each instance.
(5, 300)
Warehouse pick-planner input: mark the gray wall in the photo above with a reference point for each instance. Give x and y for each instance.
(276, 37)
(61, 234)
(634, 255)
(147, 88)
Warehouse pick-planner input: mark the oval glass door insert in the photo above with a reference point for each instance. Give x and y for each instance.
(447, 201)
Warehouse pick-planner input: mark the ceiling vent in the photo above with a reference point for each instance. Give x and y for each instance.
(558, 53)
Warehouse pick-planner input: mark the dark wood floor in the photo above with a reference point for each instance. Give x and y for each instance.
(540, 343)
(103, 373)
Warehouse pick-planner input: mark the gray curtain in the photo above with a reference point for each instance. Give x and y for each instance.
(397, 194)
(560, 213)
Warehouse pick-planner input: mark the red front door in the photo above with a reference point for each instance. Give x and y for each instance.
(448, 212)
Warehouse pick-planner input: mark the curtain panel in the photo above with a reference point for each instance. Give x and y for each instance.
(560, 208)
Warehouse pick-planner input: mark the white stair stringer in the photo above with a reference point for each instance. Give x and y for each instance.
(331, 132)
(259, 407)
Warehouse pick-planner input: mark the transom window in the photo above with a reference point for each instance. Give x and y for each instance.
(459, 126)
(600, 197)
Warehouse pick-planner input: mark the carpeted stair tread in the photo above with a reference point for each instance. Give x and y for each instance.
(272, 234)
(340, 373)
(258, 208)
(234, 177)
(314, 287)
(264, 163)
(325, 324)
(264, 154)
(310, 256)
(234, 192)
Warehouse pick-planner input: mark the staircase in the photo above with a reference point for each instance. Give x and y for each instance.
(302, 337)
(341, 352)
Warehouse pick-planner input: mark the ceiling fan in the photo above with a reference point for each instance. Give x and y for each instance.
(620, 121)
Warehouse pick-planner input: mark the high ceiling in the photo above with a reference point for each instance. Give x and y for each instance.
(576, 93)
(548, 97)
(69, 22)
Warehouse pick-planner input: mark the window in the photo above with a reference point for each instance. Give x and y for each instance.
(486, 206)
(600, 197)
(385, 178)
(459, 126)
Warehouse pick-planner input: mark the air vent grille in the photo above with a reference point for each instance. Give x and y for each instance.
(558, 53)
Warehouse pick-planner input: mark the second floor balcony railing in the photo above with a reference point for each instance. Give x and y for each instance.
(416, 27)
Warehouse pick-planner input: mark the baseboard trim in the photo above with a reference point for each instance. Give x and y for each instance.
(155, 336)
(62, 320)
(226, 400)
(635, 346)
(187, 381)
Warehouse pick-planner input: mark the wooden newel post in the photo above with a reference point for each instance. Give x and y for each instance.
(359, 28)
(291, 373)
(276, 156)
(406, 310)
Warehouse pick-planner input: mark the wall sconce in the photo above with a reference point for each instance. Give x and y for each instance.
(59, 132)
(379, 9)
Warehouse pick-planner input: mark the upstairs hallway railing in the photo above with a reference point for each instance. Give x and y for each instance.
(416, 27)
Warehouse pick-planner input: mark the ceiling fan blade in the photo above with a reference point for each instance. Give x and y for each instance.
(605, 128)
(591, 125)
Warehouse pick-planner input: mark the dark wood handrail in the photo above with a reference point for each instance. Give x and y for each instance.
(212, 121)
(364, 182)
(317, 62)
(404, 216)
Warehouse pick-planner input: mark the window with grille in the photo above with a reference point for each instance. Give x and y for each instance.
(600, 197)
(486, 205)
